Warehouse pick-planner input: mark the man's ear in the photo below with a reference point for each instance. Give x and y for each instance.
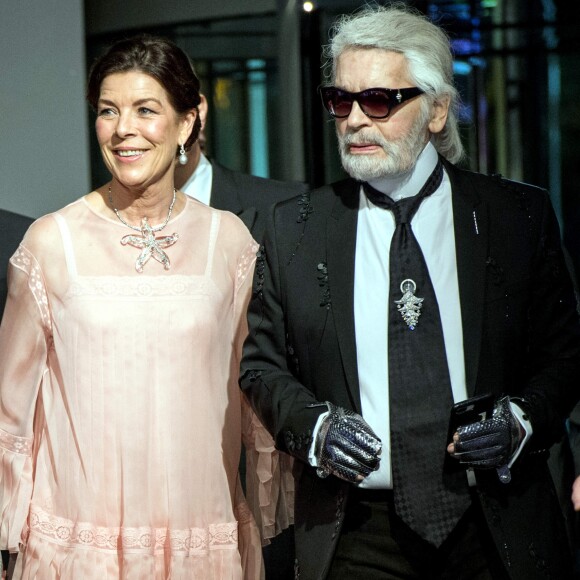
(439, 113)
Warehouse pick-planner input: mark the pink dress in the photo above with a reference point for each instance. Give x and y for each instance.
(121, 418)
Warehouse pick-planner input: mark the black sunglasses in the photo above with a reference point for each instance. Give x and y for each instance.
(375, 103)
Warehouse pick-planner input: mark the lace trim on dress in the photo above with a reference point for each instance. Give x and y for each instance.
(25, 261)
(171, 286)
(142, 539)
(15, 444)
(245, 262)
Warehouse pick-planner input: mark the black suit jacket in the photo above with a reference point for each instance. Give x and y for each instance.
(521, 337)
(248, 196)
(12, 229)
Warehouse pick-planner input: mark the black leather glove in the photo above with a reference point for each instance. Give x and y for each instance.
(490, 443)
(346, 446)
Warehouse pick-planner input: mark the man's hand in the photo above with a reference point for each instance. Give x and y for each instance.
(346, 446)
(489, 443)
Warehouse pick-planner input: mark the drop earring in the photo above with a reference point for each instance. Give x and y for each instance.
(182, 156)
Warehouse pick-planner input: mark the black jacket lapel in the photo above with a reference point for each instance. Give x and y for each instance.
(341, 243)
(471, 241)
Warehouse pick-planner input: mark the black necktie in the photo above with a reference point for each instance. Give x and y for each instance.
(428, 498)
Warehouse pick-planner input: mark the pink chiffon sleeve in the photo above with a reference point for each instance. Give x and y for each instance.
(269, 479)
(24, 335)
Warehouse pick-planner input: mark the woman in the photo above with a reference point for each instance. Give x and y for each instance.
(120, 414)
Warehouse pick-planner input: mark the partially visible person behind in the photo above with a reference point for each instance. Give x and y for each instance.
(382, 300)
(12, 229)
(120, 418)
(247, 196)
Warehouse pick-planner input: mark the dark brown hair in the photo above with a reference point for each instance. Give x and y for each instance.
(159, 58)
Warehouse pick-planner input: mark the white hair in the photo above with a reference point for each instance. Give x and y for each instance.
(426, 49)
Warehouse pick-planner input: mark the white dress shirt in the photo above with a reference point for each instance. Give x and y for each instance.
(432, 225)
(199, 183)
(433, 228)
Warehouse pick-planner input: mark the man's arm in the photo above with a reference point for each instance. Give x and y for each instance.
(345, 446)
(552, 357)
(554, 337)
(284, 405)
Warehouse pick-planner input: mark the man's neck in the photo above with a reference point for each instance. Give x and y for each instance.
(409, 183)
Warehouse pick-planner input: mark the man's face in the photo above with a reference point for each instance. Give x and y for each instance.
(373, 148)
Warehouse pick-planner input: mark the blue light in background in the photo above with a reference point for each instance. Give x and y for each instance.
(466, 46)
(461, 67)
(258, 118)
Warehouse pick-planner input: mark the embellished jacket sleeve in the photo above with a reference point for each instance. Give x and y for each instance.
(527, 341)
(24, 337)
(282, 402)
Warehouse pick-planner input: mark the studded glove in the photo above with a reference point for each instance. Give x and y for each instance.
(346, 446)
(490, 443)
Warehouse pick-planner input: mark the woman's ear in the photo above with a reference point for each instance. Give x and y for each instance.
(202, 108)
(187, 122)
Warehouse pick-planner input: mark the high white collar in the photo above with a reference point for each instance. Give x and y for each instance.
(408, 184)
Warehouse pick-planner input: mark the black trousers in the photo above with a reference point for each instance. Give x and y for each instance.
(376, 545)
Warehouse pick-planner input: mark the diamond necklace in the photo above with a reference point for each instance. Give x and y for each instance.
(157, 228)
(148, 243)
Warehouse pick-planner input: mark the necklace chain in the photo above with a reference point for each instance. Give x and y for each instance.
(156, 228)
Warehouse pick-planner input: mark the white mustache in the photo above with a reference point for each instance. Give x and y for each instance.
(362, 139)
(365, 139)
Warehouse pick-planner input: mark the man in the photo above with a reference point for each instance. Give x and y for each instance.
(245, 195)
(368, 321)
(12, 229)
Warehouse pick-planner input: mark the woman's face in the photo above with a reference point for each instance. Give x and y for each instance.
(138, 129)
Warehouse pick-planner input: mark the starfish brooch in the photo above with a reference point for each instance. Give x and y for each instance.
(150, 245)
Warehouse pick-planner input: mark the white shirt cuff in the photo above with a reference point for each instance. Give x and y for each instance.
(527, 427)
(311, 452)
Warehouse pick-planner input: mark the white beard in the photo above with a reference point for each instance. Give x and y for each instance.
(401, 155)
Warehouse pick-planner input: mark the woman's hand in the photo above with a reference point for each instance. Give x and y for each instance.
(576, 494)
